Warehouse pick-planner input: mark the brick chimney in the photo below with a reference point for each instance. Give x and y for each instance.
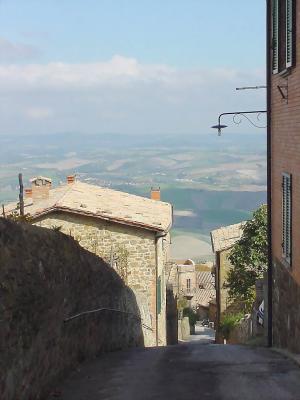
(28, 193)
(40, 187)
(155, 193)
(70, 179)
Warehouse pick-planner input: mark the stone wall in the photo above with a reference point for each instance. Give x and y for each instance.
(225, 266)
(133, 252)
(242, 332)
(45, 278)
(172, 317)
(286, 313)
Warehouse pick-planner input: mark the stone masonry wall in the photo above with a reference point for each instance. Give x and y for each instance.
(133, 253)
(45, 278)
(225, 267)
(286, 314)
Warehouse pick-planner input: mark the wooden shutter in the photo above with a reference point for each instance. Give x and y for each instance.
(275, 36)
(158, 295)
(286, 216)
(289, 33)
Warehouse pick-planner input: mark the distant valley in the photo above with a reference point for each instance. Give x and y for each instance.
(210, 181)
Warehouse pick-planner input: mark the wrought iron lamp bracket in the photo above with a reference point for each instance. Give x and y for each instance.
(237, 119)
(284, 91)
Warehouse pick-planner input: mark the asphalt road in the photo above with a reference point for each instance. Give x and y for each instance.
(187, 371)
(203, 335)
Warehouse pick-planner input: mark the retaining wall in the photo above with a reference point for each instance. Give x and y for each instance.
(46, 278)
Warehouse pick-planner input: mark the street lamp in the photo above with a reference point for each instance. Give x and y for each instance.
(237, 119)
(219, 127)
(244, 114)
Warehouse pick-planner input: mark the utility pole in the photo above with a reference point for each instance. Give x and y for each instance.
(21, 195)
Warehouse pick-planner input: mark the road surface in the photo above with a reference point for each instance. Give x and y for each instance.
(203, 334)
(186, 371)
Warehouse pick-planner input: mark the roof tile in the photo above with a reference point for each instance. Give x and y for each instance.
(86, 199)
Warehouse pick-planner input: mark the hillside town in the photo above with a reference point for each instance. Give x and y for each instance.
(94, 304)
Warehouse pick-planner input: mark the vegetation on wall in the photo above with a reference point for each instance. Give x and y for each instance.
(121, 260)
(16, 217)
(182, 303)
(188, 312)
(228, 323)
(249, 257)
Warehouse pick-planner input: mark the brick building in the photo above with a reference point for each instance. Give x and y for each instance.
(284, 146)
(129, 232)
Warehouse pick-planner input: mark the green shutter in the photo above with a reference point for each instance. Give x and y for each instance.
(289, 33)
(158, 295)
(286, 216)
(275, 35)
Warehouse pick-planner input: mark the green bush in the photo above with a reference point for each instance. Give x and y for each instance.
(188, 312)
(228, 323)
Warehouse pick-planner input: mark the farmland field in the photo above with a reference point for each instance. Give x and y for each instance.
(210, 181)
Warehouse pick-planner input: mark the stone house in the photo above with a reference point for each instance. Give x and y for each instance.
(222, 240)
(195, 282)
(283, 74)
(129, 232)
(205, 292)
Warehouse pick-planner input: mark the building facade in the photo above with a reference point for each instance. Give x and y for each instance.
(222, 241)
(195, 282)
(284, 129)
(131, 233)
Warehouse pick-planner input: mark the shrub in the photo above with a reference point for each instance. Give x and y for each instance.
(229, 322)
(188, 312)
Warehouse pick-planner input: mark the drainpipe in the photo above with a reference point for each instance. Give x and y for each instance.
(156, 277)
(158, 236)
(269, 170)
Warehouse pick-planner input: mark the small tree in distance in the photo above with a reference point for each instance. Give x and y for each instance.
(249, 257)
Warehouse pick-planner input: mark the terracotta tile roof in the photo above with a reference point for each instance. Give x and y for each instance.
(95, 201)
(225, 237)
(205, 289)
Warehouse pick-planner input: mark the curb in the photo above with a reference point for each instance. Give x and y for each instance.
(293, 356)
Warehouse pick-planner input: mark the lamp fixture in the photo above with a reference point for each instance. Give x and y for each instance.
(237, 119)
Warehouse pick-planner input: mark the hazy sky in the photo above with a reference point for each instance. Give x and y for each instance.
(132, 66)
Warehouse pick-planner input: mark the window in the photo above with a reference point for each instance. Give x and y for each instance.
(286, 217)
(188, 285)
(283, 34)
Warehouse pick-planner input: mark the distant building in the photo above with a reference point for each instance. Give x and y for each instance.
(284, 145)
(222, 240)
(194, 282)
(129, 232)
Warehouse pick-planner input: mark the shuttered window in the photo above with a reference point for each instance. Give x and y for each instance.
(283, 33)
(188, 285)
(289, 33)
(286, 217)
(275, 35)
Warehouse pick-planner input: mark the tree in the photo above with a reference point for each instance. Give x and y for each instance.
(16, 217)
(249, 258)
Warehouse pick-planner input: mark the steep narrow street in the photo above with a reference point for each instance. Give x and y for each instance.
(186, 371)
